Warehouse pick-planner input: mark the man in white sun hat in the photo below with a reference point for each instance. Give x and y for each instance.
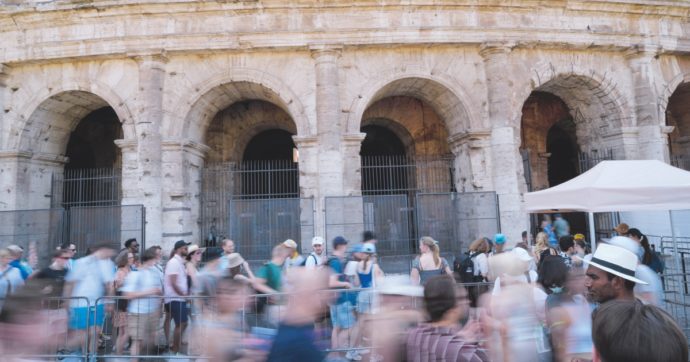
(611, 274)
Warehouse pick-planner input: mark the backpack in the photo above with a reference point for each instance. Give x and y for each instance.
(465, 267)
(311, 255)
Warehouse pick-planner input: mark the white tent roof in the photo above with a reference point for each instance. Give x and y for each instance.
(617, 186)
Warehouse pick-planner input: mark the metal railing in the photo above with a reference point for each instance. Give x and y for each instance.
(681, 161)
(587, 160)
(389, 175)
(87, 187)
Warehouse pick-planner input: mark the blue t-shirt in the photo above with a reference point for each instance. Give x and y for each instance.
(338, 267)
(295, 343)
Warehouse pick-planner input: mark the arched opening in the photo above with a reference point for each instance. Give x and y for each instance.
(270, 165)
(678, 116)
(250, 182)
(561, 146)
(383, 162)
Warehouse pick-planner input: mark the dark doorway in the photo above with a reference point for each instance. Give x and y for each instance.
(92, 143)
(562, 147)
(268, 169)
(384, 164)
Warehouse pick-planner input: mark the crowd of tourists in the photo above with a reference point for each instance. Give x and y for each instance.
(547, 300)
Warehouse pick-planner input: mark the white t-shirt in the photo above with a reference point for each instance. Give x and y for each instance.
(481, 264)
(90, 276)
(10, 281)
(175, 266)
(139, 281)
(314, 260)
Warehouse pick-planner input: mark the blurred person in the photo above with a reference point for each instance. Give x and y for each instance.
(541, 243)
(369, 237)
(629, 331)
(515, 318)
(547, 228)
(318, 256)
(649, 258)
(479, 250)
(192, 261)
(124, 262)
(294, 257)
(176, 289)
(622, 229)
(132, 245)
(342, 316)
(443, 338)
(219, 335)
(567, 249)
(295, 339)
(398, 313)
(10, 277)
(500, 243)
(652, 291)
(17, 252)
(72, 252)
(55, 274)
(368, 276)
(91, 278)
(269, 280)
(235, 262)
(210, 273)
(560, 226)
(228, 247)
(429, 263)
(143, 312)
(611, 274)
(581, 250)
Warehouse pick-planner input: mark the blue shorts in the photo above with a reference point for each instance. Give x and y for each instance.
(78, 317)
(178, 311)
(342, 316)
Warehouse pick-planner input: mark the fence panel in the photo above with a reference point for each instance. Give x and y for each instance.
(257, 225)
(25, 227)
(389, 216)
(88, 225)
(477, 216)
(437, 217)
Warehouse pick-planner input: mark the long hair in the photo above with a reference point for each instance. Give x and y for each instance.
(542, 243)
(433, 246)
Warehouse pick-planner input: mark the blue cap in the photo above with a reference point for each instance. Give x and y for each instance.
(357, 248)
(369, 248)
(339, 240)
(500, 239)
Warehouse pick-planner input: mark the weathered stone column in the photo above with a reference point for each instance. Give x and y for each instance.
(472, 160)
(352, 163)
(14, 179)
(652, 140)
(308, 150)
(505, 156)
(182, 162)
(330, 160)
(148, 119)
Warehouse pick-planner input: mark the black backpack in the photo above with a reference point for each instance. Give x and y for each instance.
(464, 267)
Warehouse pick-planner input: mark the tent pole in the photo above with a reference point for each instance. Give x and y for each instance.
(592, 232)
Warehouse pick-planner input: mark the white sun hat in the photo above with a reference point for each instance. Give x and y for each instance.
(615, 260)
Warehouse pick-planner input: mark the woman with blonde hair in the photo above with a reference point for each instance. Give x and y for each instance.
(429, 263)
(541, 245)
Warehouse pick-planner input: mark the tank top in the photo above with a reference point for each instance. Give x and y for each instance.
(365, 279)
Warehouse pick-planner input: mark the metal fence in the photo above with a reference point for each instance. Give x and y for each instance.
(223, 182)
(587, 160)
(86, 187)
(681, 161)
(82, 226)
(256, 225)
(389, 175)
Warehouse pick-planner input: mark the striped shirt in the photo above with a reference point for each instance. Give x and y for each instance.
(429, 344)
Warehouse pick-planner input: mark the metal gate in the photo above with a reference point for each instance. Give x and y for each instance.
(256, 225)
(456, 219)
(389, 216)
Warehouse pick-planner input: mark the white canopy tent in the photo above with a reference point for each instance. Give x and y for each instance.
(635, 185)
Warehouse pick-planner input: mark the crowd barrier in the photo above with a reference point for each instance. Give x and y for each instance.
(40, 329)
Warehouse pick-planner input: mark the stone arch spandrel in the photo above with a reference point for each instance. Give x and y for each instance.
(668, 91)
(52, 101)
(443, 95)
(190, 117)
(601, 111)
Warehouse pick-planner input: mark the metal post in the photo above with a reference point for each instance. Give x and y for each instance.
(592, 232)
(677, 262)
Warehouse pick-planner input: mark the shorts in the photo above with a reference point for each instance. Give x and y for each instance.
(342, 316)
(365, 302)
(178, 310)
(78, 317)
(142, 326)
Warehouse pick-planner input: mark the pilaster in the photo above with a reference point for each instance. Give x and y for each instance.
(472, 160)
(651, 142)
(506, 165)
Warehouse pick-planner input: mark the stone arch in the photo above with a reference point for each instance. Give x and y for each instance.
(676, 120)
(668, 91)
(444, 97)
(54, 112)
(216, 93)
(399, 130)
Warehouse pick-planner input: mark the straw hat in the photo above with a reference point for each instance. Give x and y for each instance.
(194, 247)
(234, 260)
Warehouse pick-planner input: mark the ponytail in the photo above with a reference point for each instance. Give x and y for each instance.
(433, 246)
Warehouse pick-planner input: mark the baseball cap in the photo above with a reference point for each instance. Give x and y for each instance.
(317, 240)
(181, 243)
(339, 240)
(500, 239)
(289, 243)
(369, 248)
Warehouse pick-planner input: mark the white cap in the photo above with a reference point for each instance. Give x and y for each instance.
(317, 240)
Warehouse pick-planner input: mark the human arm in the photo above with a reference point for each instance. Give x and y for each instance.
(246, 267)
(333, 282)
(446, 267)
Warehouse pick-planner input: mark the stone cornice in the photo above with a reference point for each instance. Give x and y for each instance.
(126, 145)
(353, 138)
(305, 141)
(50, 158)
(476, 138)
(489, 49)
(193, 147)
(16, 154)
(642, 51)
